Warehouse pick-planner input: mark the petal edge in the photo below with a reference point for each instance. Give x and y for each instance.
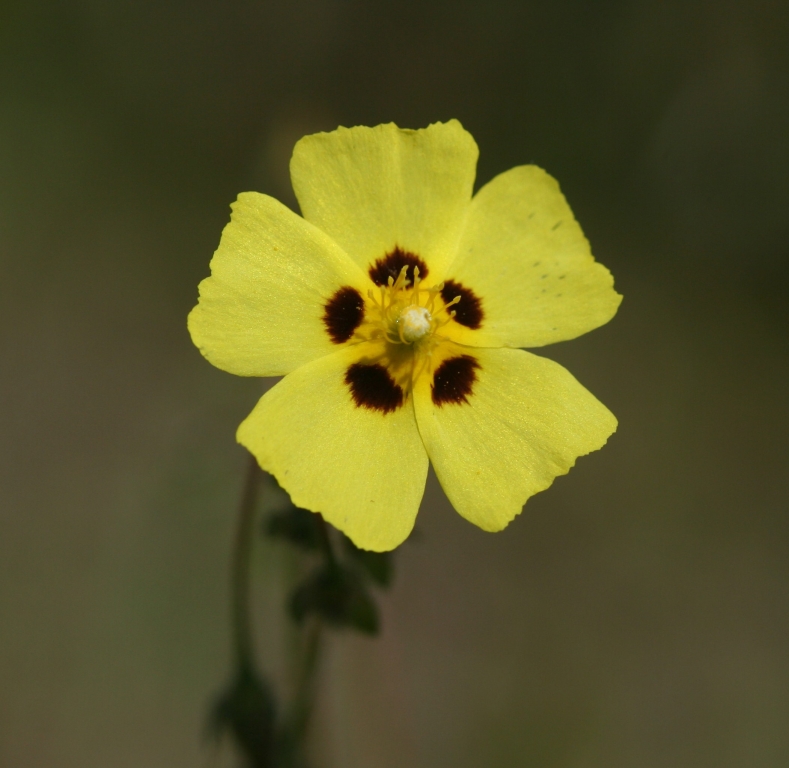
(524, 254)
(260, 312)
(370, 486)
(374, 190)
(524, 422)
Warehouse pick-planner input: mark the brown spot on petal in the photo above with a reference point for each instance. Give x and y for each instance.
(468, 311)
(392, 264)
(372, 387)
(454, 379)
(343, 314)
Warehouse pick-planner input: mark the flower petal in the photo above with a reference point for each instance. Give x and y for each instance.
(262, 311)
(362, 466)
(500, 428)
(384, 190)
(525, 257)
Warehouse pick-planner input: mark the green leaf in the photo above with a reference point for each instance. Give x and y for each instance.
(296, 525)
(338, 595)
(247, 710)
(377, 565)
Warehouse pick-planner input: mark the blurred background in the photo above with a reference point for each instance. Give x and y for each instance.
(636, 614)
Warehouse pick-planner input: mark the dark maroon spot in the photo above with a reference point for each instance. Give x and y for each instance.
(343, 314)
(454, 379)
(468, 311)
(392, 264)
(372, 387)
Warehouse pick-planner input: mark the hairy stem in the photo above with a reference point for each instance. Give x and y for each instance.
(242, 557)
(303, 700)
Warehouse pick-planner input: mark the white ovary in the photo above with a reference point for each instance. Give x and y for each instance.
(415, 323)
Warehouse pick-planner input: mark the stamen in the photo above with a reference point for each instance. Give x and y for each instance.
(415, 292)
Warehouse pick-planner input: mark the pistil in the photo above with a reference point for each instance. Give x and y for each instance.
(414, 323)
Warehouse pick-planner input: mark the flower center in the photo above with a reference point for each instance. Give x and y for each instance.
(406, 314)
(405, 318)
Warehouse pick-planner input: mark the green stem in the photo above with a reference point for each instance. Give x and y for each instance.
(305, 686)
(301, 710)
(304, 694)
(242, 558)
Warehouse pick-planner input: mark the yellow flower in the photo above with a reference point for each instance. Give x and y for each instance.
(396, 309)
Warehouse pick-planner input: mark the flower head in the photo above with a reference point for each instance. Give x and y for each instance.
(397, 309)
